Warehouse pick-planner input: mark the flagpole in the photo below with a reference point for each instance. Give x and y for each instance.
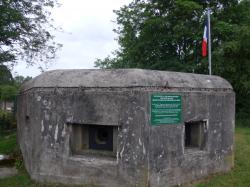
(209, 42)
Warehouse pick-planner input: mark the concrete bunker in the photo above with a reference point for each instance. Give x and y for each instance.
(126, 127)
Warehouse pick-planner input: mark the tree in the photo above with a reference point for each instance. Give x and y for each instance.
(8, 92)
(166, 35)
(19, 80)
(25, 31)
(9, 86)
(5, 75)
(157, 34)
(232, 57)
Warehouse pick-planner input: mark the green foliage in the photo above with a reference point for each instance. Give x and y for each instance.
(5, 75)
(19, 80)
(9, 89)
(167, 35)
(157, 35)
(232, 57)
(7, 120)
(10, 86)
(8, 92)
(25, 31)
(243, 121)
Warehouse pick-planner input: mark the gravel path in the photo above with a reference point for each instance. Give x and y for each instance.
(7, 172)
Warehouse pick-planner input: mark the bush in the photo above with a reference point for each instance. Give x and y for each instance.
(7, 120)
(243, 122)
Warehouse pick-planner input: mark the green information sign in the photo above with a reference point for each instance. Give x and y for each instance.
(166, 109)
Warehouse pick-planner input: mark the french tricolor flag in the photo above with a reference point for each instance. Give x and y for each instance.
(205, 40)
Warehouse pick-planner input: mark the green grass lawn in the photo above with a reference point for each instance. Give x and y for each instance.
(238, 177)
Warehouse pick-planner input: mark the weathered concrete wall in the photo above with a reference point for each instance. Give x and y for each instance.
(170, 164)
(146, 155)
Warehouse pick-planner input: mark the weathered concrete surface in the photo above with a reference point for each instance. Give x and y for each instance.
(146, 155)
(124, 78)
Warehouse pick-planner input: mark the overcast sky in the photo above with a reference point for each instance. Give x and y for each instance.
(87, 34)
